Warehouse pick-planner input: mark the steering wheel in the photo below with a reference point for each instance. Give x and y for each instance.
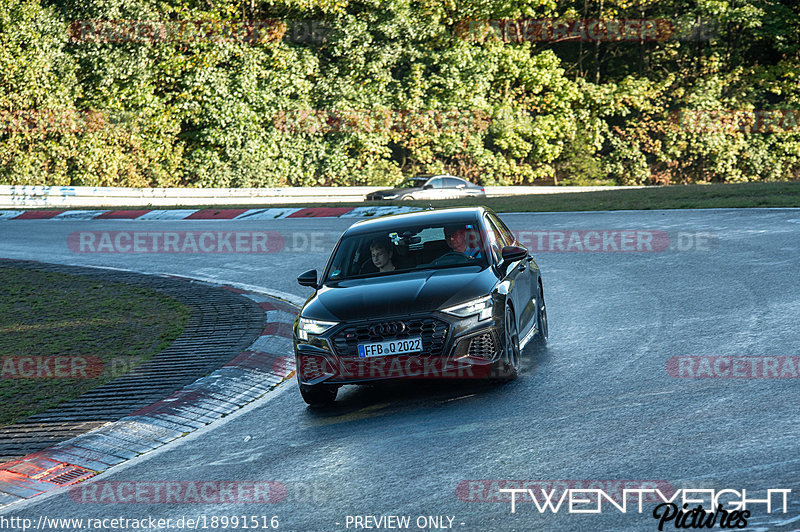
(451, 257)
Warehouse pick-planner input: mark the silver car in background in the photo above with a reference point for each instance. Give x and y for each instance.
(431, 187)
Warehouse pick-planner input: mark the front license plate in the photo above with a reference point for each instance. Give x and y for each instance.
(390, 347)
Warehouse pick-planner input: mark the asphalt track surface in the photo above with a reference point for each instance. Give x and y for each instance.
(598, 404)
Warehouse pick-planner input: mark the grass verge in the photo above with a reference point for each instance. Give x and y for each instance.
(62, 335)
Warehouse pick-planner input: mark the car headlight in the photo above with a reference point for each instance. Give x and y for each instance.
(307, 326)
(390, 196)
(481, 306)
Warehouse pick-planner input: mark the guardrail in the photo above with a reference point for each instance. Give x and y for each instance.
(16, 196)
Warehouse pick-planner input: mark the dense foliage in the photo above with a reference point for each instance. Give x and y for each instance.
(366, 92)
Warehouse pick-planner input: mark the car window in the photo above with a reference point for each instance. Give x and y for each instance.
(402, 250)
(414, 183)
(453, 182)
(436, 182)
(428, 234)
(506, 236)
(494, 240)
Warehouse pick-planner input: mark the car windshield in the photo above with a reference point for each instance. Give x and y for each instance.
(408, 248)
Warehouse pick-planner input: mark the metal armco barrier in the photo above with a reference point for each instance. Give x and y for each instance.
(15, 196)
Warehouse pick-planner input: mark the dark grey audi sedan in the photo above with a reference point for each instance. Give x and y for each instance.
(435, 294)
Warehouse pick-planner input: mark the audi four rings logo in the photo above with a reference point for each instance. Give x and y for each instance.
(388, 329)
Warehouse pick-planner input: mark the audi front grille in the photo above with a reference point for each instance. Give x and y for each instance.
(433, 332)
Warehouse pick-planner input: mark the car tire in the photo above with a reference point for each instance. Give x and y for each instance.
(511, 353)
(540, 340)
(319, 395)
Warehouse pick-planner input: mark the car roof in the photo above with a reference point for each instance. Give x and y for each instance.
(434, 217)
(429, 176)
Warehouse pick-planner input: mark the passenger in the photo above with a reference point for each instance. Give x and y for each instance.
(382, 253)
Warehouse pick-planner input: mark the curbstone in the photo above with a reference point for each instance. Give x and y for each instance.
(208, 214)
(237, 381)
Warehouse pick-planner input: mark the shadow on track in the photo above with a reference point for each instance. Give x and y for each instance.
(402, 395)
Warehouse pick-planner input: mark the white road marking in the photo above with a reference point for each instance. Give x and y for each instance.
(78, 215)
(266, 214)
(362, 212)
(167, 214)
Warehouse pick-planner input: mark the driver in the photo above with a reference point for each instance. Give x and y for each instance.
(464, 240)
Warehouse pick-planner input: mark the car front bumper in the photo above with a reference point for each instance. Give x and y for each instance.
(470, 349)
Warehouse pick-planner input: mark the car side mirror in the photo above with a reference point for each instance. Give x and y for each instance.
(426, 187)
(308, 278)
(512, 254)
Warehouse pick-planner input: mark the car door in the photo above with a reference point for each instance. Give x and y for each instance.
(510, 274)
(455, 187)
(523, 279)
(431, 190)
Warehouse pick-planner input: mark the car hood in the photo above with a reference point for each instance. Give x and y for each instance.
(399, 294)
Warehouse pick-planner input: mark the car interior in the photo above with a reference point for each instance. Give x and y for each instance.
(409, 250)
